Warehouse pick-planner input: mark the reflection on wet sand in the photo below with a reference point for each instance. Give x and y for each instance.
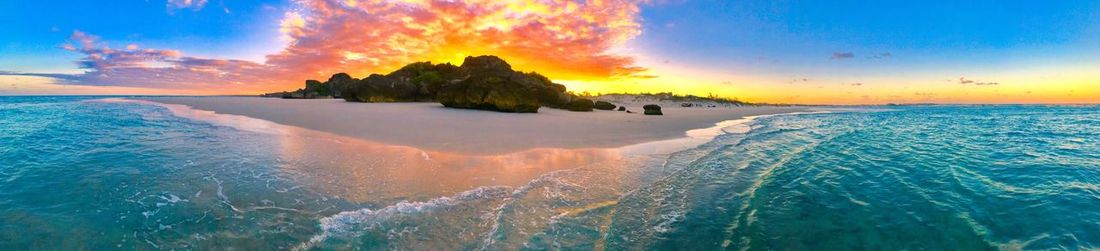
(370, 172)
(365, 171)
(460, 201)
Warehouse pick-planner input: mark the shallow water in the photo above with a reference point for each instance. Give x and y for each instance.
(94, 173)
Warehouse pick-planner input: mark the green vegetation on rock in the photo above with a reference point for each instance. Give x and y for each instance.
(483, 82)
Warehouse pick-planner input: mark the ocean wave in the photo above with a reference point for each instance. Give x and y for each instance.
(351, 223)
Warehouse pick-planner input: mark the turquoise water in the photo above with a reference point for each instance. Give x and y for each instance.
(84, 172)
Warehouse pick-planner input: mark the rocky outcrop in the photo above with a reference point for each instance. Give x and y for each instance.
(317, 89)
(580, 105)
(379, 88)
(296, 94)
(490, 83)
(489, 87)
(549, 94)
(338, 82)
(275, 94)
(483, 82)
(488, 94)
(652, 109)
(604, 105)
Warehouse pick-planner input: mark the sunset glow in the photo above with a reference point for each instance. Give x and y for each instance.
(1004, 52)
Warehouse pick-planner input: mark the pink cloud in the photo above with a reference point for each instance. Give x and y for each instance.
(562, 39)
(168, 69)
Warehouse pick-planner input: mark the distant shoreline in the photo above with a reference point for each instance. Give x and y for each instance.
(430, 126)
(139, 96)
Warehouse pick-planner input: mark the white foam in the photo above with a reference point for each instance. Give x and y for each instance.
(695, 138)
(350, 223)
(692, 138)
(235, 121)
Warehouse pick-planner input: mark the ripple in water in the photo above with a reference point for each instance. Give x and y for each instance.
(84, 173)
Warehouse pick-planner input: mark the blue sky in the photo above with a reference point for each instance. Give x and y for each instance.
(1033, 51)
(41, 27)
(776, 36)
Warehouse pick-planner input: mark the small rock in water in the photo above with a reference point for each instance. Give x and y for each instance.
(652, 109)
(604, 105)
(580, 105)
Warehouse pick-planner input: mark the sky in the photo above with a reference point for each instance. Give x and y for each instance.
(809, 52)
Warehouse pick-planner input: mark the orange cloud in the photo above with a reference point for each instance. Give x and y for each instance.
(567, 40)
(564, 39)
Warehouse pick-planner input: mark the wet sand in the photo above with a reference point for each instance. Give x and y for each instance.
(430, 126)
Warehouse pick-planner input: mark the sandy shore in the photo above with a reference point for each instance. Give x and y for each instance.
(430, 126)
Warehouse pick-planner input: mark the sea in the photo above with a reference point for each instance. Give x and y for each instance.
(119, 173)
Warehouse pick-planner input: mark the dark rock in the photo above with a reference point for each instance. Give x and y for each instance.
(549, 94)
(297, 94)
(604, 105)
(491, 84)
(685, 104)
(338, 82)
(482, 82)
(275, 94)
(317, 88)
(652, 109)
(427, 77)
(487, 66)
(379, 88)
(622, 108)
(580, 105)
(488, 93)
(628, 111)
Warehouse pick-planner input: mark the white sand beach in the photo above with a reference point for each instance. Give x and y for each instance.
(430, 126)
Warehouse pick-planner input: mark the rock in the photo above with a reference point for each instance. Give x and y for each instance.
(491, 84)
(622, 108)
(685, 105)
(317, 88)
(488, 93)
(487, 66)
(628, 111)
(379, 88)
(580, 105)
(338, 82)
(604, 105)
(275, 94)
(297, 94)
(652, 109)
(482, 82)
(427, 77)
(549, 94)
